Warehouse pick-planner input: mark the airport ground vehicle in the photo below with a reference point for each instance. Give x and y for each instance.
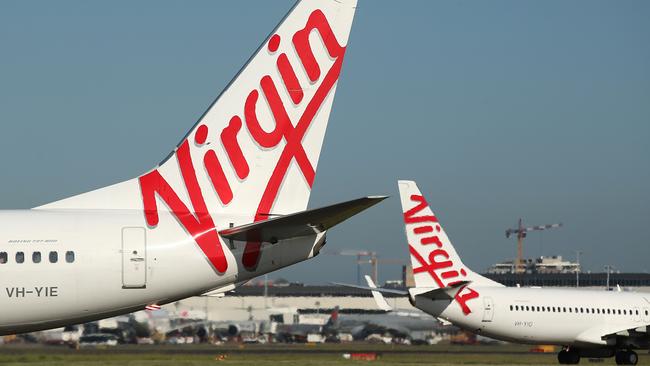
(98, 340)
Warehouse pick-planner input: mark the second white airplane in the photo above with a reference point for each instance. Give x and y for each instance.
(586, 323)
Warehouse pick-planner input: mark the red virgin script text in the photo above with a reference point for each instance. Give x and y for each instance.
(438, 264)
(198, 222)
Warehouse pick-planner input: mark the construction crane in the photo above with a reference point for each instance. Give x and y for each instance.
(374, 263)
(521, 233)
(364, 257)
(352, 253)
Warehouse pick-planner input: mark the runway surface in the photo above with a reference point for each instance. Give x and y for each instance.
(259, 355)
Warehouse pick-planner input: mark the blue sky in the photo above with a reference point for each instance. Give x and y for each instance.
(500, 109)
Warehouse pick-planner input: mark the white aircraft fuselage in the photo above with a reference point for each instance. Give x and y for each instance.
(109, 273)
(565, 317)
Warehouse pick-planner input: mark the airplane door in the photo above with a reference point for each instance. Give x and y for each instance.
(488, 309)
(134, 259)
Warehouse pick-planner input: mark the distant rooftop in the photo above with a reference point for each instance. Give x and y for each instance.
(569, 279)
(553, 264)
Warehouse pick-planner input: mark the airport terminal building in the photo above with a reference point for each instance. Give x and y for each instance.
(258, 302)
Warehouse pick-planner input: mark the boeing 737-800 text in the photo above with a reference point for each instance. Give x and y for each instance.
(227, 205)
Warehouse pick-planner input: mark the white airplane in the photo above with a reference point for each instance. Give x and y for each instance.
(586, 323)
(227, 205)
(405, 323)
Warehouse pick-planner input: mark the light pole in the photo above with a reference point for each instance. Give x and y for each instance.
(266, 291)
(608, 268)
(578, 252)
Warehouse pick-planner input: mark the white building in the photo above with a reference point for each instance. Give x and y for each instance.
(553, 264)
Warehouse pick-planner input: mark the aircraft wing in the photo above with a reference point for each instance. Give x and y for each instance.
(637, 335)
(300, 224)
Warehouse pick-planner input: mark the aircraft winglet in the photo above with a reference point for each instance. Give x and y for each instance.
(380, 300)
(300, 224)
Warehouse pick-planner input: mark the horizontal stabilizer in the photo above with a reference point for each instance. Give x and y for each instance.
(220, 291)
(300, 224)
(378, 289)
(445, 293)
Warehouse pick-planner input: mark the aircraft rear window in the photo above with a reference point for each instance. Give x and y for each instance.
(54, 257)
(3, 257)
(36, 257)
(20, 257)
(69, 256)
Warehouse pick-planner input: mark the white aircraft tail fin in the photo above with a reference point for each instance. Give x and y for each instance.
(380, 300)
(256, 149)
(253, 154)
(434, 259)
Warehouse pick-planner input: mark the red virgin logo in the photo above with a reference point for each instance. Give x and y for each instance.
(438, 263)
(197, 220)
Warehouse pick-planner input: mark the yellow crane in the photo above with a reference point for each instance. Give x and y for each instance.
(521, 232)
(365, 257)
